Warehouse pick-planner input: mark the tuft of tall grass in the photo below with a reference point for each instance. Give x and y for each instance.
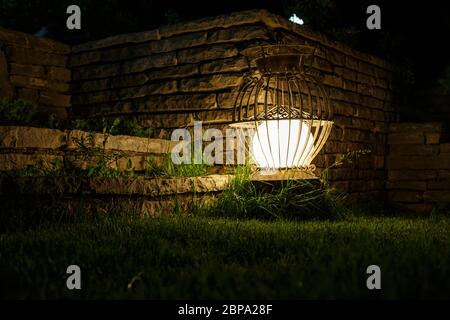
(169, 169)
(291, 199)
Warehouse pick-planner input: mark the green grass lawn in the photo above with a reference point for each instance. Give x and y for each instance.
(185, 258)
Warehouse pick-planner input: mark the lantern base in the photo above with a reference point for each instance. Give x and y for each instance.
(283, 175)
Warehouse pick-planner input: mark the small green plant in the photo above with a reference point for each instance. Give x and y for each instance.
(183, 170)
(25, 112)
(97, 156)
(152, 169)
(169, 169)
(18, 111)
(444, 81)
(117, 125)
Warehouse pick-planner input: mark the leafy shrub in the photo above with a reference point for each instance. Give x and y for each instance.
(117, 125)
(18, 111)
(23, 112)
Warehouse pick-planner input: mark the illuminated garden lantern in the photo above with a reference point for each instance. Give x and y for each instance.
(283, 109)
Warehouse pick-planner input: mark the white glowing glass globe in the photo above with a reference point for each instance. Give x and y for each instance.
(282, 144)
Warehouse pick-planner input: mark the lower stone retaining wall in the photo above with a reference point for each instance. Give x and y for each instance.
(152, 197)
(22, 147)
(41, 149)
(418, 166)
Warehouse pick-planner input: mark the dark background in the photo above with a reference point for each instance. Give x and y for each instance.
(414, 36)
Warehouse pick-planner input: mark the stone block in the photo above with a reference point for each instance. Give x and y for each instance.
(226, 100)
(358, 135)
(445, 148)
(437, 196)
(30, 137)
(178, 42)
(54, 99)
(444, 174)
(150, 62)
(59, 74)
(343, 108)
(349, 85)
(351, 63)
(153, 104)
(118, 40)
(90, 85)
(415, 127)
(158, 186)
(411, 137)
(322, 65)
(27, 70)
(214, 82)
(84, 58)
(30, 56)
(413, 149)
(237, 34)
(213, 52)
(405, 196)
(6, 90)
(138, 144)
(345, 73)
(128, 81)
(371, 102)
(17, 161)
(432, 137)
(95, 97)
(365, 79)
(379, 93)
(332, 80)
(370, 114)
(28, 94)
(416, 207)
(335, 57)
(439, 185)
(419, 162)
(223, 21)
(29, 41)
(224, 65)
(27, 82)
(337, 133)
(359, 185)
(149, 89)
(182, 71)
(402, 174)
(96, 72)
(407, 185)
(139, 50)
(184, 119)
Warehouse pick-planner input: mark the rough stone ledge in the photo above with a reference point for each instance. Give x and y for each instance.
(29, 41)
(44, 138)
(231, 20)
(414, 127)
(145, 187)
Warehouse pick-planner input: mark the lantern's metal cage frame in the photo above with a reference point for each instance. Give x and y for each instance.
(283, 87)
